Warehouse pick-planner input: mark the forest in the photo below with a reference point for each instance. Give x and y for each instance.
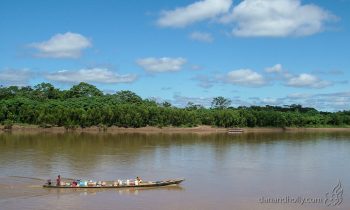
(84, 105)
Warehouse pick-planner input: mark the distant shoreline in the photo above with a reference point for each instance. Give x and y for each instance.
(150, 130)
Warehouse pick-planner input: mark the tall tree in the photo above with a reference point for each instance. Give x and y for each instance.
(46, 91)
(83, 90)
(127, 96)
(220, 102)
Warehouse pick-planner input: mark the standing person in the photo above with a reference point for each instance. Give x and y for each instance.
(58, 180)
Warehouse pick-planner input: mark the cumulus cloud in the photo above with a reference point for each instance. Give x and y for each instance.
(245, 77)
(251, 18)
(301, 80)
(195, 12)
(272, 75)
(98, 75)
(67, 45)
(277, 18)
(274, 69)
(19, 77)
(164, 64)
(201, 36)
(307, 80)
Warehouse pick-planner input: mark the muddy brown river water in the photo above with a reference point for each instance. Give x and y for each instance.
(243, 171)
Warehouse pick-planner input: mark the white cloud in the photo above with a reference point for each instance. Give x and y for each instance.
(245, 77)
(18, 77)
(250, 78)
(164, 64)
(99, 75)
(195, 12)
(307, 80)
(301, 80)
(277, 18)
(67, 45)
(201, 36)
(274, 69)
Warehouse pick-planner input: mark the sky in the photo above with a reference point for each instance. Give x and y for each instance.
(254, 52)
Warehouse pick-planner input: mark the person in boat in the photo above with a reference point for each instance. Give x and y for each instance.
(138, 179)
(58, 180)
(49, 182)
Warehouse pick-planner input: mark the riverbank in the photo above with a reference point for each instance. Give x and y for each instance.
(150, 129)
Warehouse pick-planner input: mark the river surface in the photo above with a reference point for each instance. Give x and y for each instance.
(243, 171)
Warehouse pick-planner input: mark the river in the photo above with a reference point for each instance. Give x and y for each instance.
(222, 171)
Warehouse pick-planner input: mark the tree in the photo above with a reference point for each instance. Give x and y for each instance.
(150, 102)
(83, 90)
(220, 103)
(166, 104)
(9, 92)
(127, 96)
(192, 106)
(84, 105)
(46, 91)
(5, 93)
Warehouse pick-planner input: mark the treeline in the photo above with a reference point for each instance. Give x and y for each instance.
(84, 105)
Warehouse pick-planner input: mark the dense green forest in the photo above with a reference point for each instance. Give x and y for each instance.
(84, 105)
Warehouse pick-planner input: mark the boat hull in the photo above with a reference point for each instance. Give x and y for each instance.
(141, 185)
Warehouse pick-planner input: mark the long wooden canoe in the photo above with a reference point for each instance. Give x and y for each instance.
(142, 184)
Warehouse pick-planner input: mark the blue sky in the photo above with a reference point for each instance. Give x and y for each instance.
(255, 52)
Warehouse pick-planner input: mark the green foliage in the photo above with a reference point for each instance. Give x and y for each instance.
(220, 103)
(84, 105)
(83, 90)
(166, 104)
(44, 91)
(128, 97)
(192, 106)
